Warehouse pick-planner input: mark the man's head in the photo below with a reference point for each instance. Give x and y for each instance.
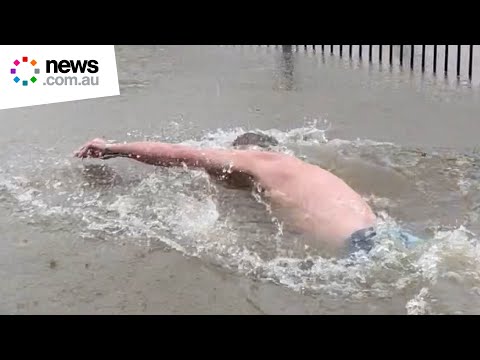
(253, 139)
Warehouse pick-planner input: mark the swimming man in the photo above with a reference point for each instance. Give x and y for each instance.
(312, 200)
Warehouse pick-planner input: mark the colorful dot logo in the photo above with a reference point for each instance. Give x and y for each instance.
(13, 71)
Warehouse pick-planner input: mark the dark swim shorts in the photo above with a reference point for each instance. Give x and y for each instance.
(364, 239)
(361, 240)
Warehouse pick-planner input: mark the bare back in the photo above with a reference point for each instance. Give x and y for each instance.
(309, 198)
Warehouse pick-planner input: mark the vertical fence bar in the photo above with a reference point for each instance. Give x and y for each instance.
(459, 54)
(380, 48)
(390, 57)
(341, 50)
(412, 56)
(434, 59)
(350, 50)
(331, 49)
(423, 58)
(360, 51)
(323, 48)
(470, 63)
(370, 53)
(313, 47)
(401, 55)
(446, 59)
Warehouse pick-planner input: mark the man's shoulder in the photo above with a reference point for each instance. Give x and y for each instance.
(264, 163)
(269, 156)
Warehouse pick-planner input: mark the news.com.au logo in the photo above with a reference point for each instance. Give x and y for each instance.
(28, 72)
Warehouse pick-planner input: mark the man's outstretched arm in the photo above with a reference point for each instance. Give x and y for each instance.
(162, 154)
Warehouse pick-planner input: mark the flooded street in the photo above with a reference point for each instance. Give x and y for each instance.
(123, 237)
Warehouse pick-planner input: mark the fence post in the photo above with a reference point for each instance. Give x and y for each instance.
(459, 54)
(423, 58)
(412, 56)
(446, 60)
(470, 63)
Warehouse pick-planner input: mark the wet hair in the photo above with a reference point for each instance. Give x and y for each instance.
(250, 138)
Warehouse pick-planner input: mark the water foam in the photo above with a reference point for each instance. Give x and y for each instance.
(182, 213)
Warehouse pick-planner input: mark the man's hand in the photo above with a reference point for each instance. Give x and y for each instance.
(96, 148)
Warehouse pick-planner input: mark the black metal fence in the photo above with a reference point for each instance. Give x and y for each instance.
(440, 58)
